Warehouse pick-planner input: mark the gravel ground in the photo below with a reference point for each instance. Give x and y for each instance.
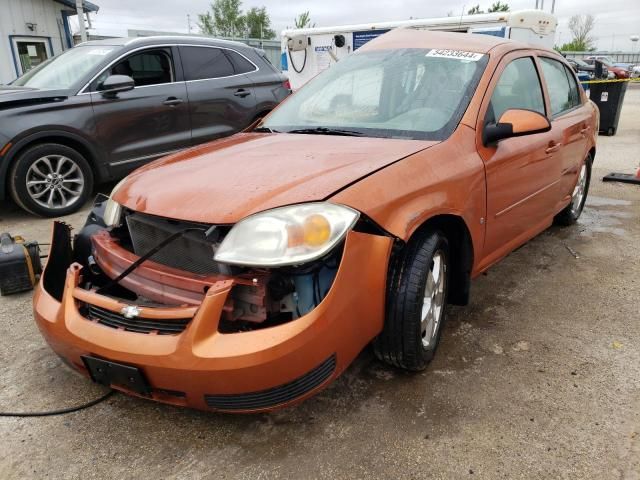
(539, 377)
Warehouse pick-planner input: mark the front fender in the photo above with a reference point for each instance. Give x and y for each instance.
(447, 179)
(56, 135)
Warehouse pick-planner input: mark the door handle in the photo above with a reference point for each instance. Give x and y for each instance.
(553, 147)
(584, 131)
(241, 92)
(172, 101)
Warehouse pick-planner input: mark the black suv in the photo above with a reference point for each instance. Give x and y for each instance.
(103, 108)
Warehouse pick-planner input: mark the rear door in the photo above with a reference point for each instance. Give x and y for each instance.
(221, 101)
(149, 121)
(570, 120)
(522, 173)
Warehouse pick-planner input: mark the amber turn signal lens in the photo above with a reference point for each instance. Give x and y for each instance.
(317, 230)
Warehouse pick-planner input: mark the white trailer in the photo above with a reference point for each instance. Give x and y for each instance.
(308, 51)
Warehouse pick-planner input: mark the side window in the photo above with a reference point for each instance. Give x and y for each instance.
(518, 87)
(201, 63)
(151, 67)
(574, 91)
(240, 64)
(557, 84)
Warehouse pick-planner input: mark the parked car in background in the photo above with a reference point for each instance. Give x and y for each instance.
(103, 108)
(618, 72)
(247, 274)
(582, 66)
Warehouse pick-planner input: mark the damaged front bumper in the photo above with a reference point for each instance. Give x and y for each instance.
(180, 349)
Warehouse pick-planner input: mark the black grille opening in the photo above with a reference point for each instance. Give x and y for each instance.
(137, 324)
(277, 395)
(191, 252)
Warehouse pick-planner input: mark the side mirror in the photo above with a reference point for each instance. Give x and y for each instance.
(115, 84)
(515, 123)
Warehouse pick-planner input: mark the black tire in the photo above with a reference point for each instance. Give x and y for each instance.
(21, 166)
(569, 215)
(400, 343)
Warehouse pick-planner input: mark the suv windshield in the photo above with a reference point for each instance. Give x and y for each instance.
(63, 70)
(405, 93)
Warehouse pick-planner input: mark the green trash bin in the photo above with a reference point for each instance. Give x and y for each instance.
(608, 96)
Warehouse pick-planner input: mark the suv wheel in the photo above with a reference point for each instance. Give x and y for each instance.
(50, 180)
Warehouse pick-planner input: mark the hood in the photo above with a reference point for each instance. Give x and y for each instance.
(224, 181)
(13, 96)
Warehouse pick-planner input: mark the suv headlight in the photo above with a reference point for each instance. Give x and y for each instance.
(113, 210)
(287, 235)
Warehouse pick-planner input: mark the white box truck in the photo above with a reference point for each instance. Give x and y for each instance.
(308, 51)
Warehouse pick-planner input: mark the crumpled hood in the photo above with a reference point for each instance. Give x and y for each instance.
(224, 181)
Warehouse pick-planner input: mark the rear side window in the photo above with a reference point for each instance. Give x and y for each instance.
(240, 64)
(201, 63)
(518, 87)
(563, 90)
(574, 91)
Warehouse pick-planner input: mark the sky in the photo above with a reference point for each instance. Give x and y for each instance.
(616, 20)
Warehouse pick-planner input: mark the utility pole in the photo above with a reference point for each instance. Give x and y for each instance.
(189, 23)
(80, 12)
(553, 6)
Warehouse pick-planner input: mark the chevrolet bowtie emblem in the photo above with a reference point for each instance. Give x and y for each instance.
(130, 311)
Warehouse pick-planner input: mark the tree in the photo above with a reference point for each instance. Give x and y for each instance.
(574, 47)
(475, 10)
(581, 27)
(304, 20)
(225, 19)
(498, 7)
(257, 23)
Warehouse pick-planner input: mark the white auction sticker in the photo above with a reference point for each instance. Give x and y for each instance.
(456, 54)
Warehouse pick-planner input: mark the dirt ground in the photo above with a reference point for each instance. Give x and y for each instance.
(539, 377)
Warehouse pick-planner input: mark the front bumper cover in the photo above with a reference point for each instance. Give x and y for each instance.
(241, 372)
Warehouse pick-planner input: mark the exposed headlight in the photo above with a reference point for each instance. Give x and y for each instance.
(287, 235)
(113, 210)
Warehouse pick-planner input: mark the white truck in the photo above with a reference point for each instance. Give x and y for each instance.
(308, 51)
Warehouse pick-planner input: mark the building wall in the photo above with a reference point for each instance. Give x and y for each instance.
(14, 15)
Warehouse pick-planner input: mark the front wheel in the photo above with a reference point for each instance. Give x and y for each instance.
(572, 212)
(50, 180)
(416, 303)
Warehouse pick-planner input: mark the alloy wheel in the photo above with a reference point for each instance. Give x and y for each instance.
(55, 181)
(578, 191)
(433, 303)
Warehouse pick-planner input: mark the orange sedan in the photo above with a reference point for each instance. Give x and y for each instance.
(246, 274)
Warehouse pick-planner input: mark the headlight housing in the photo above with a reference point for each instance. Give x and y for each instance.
(113, 210)
(287, 235)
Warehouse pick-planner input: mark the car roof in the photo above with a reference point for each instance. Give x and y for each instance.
(163, 39)
(415, 38)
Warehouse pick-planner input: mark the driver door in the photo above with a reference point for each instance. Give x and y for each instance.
(147, 122)
(522, 173)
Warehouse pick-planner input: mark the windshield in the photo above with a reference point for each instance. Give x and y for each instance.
(401, 93)
(64, 70)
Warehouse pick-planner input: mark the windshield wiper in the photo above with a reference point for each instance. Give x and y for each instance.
(326, 131)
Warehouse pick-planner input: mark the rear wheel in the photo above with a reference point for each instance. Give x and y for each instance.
(50, 180)
(416, 303)
(572, 212)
